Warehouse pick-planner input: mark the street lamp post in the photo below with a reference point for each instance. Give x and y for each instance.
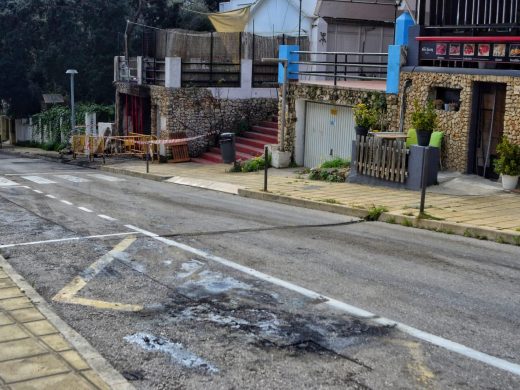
(72, 72)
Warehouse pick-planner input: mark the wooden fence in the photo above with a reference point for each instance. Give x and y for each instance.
(382, 159)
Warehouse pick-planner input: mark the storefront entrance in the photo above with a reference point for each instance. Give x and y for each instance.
(487, 127)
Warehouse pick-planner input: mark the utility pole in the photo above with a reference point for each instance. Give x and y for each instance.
(300, 25)
(72, 72)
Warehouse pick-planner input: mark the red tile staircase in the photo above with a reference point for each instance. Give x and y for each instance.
(248, 145)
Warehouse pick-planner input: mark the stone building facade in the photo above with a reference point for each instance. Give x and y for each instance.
(197, 111)
(457, 124)
(341, 96)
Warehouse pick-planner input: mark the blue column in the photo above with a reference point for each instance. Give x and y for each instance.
(394, 69)
(402, 24)
(285, 53)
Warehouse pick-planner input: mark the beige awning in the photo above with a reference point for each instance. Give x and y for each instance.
(230, 21)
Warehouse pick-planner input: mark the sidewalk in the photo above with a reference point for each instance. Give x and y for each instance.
(36, 346)
(493, 216)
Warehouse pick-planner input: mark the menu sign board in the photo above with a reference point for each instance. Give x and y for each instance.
(459, 51)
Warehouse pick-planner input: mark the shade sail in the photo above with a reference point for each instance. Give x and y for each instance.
(230, 21)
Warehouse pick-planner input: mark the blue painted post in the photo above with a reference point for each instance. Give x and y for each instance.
(403, 23)
(394, 69)
(285, 54)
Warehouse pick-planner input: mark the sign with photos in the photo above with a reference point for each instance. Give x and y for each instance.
(460, 51)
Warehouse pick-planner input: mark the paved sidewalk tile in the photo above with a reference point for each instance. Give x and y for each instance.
(33, 353)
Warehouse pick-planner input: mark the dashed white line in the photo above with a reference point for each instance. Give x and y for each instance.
(7, 183)
(50, 196)
(66, 202)
(27, 187)
(39, 180)
(85, 209)
(345, 307)
(105, 177)
(38, 191)
(106, 217)
(67, 239)
(73, 179)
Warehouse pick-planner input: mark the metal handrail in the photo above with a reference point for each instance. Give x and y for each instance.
(339, 53)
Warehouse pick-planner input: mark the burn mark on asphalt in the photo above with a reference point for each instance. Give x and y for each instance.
(176, 351)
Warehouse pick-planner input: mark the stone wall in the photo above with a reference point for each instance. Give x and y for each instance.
(324, 94)
(197, 111)
(456, 124)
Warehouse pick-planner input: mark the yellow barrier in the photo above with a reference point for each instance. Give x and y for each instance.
(133, 144)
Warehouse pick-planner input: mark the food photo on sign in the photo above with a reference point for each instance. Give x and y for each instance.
(499, 50)
(440, 49)
(455, 49)
(469, 49)
(484, 49)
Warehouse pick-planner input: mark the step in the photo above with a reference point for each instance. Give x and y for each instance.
(252, 150)
(260, 137)
(270, 124)
(240, 155)
(213, 157)
(266, 130)
(252, 142)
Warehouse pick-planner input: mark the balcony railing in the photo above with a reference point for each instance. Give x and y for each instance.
(474, 16)
(342, 65)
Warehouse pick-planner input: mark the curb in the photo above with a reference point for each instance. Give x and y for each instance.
(33, 155)
(121, 171)
(309, 204)
(97, 362)
(459, 229)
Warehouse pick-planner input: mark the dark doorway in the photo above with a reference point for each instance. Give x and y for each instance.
(487, 127)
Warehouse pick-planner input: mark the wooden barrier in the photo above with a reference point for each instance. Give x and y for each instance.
(382, 159)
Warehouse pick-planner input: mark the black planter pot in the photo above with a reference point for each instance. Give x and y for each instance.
(362, 131)
(423, 137)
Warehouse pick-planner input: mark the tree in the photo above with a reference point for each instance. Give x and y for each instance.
(40, 39)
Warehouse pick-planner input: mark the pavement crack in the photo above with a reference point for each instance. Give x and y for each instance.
(257, 230)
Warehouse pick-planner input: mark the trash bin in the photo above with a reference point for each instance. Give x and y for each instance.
(227, 147)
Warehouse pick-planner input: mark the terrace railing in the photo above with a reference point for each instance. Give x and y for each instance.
(210, 74)
(342, 65)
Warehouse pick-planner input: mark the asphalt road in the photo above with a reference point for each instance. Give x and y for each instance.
(188, 288)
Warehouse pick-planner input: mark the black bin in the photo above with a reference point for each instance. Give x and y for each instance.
(227, 147)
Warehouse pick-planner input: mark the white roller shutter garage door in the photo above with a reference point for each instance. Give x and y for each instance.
(329, 132)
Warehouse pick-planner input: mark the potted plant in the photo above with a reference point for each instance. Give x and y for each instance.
(424, 121)
(508, 163)
(364, 118)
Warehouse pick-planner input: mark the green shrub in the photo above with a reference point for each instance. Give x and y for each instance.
(424, 118)
(253, 165)
(375, 212)
(364, 116)
(508, 162)
(333, 175)
(337, 162)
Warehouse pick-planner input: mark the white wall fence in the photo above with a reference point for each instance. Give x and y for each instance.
(26, 130)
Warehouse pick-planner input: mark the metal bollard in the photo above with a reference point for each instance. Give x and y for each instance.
(424, 180)
(148, 159)
(266, 167)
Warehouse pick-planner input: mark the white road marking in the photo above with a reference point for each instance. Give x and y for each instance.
(66, 239)
(7, 183)
(38, 191)
(106, 217)
(27, 187)
(50, 196)
(345, 307)
(38, 179)
(85, 209)
(44, 173)
(105, 177)
(66, 202)
(73, 179)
